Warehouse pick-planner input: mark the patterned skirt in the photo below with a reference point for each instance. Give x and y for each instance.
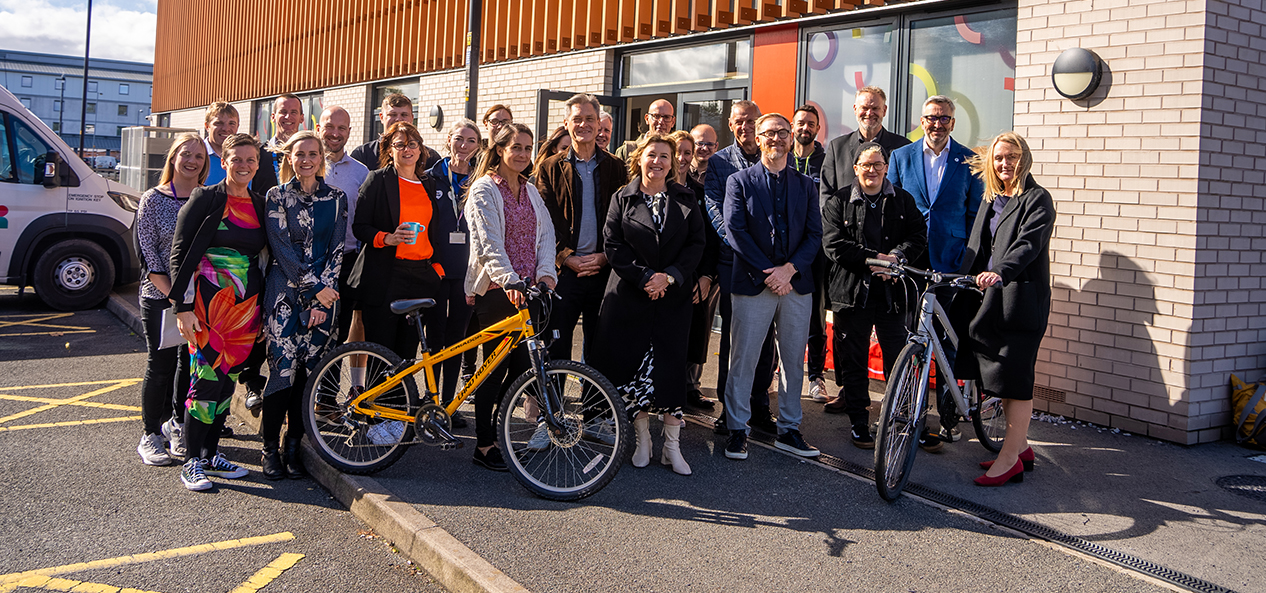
(639, 394)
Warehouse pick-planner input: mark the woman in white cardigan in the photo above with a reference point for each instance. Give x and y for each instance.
(511, 240)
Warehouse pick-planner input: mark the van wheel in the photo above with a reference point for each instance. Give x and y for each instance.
(74, 274)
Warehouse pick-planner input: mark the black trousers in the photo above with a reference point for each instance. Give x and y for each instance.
(491, 308)
(580, 297)
(446, 324)
(166, 383)
(251, 375)
(851, 335)
(346, 295)
(283, 405)
(413, 280)
(815, 357)
(768, 354)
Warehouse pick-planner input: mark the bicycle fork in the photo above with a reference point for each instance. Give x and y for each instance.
(553, 401)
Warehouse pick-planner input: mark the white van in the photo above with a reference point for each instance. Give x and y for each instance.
(63, 229)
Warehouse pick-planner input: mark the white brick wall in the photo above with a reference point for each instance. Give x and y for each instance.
(189, 118)
(355, 99)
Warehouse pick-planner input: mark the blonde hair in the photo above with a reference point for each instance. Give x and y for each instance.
(287, 171)
(982, 165)
(680, 135)
(635, 157)
(169, 165)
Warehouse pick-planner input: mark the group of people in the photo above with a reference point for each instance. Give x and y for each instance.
(299, 245)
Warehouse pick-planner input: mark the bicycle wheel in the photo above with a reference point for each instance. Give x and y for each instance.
(590, 450)
(989, 419)
(353, 442)
(901, 421)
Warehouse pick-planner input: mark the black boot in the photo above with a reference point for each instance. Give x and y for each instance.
(273, 467)
(290, 456)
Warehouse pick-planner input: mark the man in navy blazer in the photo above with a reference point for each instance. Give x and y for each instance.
(774, 226)
(936, 173)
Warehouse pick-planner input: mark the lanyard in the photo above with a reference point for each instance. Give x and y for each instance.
(459, 212)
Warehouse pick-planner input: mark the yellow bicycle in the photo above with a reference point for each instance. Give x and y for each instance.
(562, 426)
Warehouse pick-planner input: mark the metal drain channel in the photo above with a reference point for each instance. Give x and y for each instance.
(1010, 521)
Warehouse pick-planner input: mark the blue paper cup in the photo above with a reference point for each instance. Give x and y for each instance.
(417, 228)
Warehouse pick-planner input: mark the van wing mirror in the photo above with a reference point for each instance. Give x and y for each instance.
(52, 169)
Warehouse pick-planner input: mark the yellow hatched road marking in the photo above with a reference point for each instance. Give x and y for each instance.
(55, 584)
(6, 580)
(268, 573)
(49, 400)
(37, 321)
(60, 333)
(117, 385)
(69, 423)
(79, 384)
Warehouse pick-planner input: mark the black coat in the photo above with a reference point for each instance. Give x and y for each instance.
(378, 209)
(1005, 332)
(629, 320)
(841, 154)
(901, 229)
(196, 225)
(700, 321)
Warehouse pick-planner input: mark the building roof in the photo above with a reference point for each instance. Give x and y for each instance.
(74, 72)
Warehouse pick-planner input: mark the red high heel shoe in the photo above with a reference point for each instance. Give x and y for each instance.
(1015, 474)
(1026, 456)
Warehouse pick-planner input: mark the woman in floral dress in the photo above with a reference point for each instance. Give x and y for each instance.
(216, 252)
(306, 224)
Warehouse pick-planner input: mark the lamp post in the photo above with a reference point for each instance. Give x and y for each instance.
(61, 107)
(83, 106)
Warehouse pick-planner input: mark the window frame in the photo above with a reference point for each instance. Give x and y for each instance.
(27, 81)
(125, 88)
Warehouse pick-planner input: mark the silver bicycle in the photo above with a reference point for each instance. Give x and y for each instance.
(905, 401)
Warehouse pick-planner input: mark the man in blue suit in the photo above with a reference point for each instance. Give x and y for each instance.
(936, 173)
(774, 226)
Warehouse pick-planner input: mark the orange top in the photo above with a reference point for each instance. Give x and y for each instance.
(415, 206)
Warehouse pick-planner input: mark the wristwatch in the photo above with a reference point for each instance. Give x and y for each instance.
(671, 281)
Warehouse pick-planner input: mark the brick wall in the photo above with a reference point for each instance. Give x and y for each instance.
(355, 99)
(189, 118)
(1144, 246)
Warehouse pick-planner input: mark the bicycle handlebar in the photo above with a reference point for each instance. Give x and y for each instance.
(900, 269)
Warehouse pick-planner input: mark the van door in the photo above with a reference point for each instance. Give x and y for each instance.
(23, 197)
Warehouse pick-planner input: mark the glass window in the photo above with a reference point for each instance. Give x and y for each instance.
(6, 163)
(701, 63)
(970, 59)
(262, 127)
(408, 88)
(92, 86)
(57, 126)
(31, 153)
(90, 129)
(25, 102)
(122, 109)
(92, 107)
(28, 82)
(119, 131)
(57, 105)
(313, 105)
(124, 89)
(59, 83)
(842, 61)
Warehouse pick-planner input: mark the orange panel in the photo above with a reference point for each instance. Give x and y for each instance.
(662, 18)
(645, 19)
(722, 16)
(774, 53)
(745, 12)
(681, 16)
(566, 8)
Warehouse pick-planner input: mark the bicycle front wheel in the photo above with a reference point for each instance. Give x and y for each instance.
(901, 421)
(989, 419)
(351, 441)
(586, 454)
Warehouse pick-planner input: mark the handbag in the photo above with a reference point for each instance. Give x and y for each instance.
(169, 334)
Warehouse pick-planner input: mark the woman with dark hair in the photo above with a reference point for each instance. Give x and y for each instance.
(559, 141)
(495, 118)
(1008, 252)
(511, 241)
(654, 239)
(166, 370)
(398, 262)
(306, 225)
(704, 285)
(216, 254)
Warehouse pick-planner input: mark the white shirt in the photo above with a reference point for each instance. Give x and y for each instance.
(347, 174)
(934, 169)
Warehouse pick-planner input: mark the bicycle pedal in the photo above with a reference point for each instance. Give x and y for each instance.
(451, 445)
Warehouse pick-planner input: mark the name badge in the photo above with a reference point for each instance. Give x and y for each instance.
(457, 238)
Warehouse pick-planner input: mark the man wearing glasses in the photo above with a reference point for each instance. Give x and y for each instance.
(660, 118)
(936, 172)
(774, 227)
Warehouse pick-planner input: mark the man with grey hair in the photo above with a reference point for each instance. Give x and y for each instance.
(660, 118)
(576, 186)
(605, 127)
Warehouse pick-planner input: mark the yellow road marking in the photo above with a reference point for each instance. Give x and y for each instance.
(17, 577)
(79, 384)
(49, 400)
(60, 333)
(54, 584)
(268, 573)
(62, 402)
(68, 423)
(37, 320)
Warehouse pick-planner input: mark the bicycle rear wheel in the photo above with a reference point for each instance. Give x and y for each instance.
(989, 419)
(901, 421)
(592, 446)
(353, 442)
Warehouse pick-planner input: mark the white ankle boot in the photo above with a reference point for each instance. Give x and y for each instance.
(642, 454)
(672, 450)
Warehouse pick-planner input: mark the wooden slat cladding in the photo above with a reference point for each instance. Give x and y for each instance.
(304, 45)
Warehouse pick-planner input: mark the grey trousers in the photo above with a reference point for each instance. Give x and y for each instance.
(748, 327)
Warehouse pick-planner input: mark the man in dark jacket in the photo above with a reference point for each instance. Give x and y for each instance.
(806, 157)
(395, 107)
(837, 168)
(577, 186)
(775, 229)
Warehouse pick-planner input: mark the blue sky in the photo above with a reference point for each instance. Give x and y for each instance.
(121, 29)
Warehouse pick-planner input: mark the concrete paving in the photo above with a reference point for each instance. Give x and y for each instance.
(775, 522)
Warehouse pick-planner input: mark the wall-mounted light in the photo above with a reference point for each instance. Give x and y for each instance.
(1076, 73)
(436, 117)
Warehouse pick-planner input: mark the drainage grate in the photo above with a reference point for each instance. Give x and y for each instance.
(1253, 487)
(1254, 484)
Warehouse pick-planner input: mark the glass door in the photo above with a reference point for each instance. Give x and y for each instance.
(709, 107)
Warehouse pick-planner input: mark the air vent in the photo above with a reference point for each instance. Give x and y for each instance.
(1048, 394)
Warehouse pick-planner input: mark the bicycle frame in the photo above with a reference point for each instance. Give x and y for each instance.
(925, 334)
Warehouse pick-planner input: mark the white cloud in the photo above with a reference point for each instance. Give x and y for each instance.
(51, 27)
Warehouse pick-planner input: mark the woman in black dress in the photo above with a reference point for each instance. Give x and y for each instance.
(654, 239)
(705, 282)
(1008, 252)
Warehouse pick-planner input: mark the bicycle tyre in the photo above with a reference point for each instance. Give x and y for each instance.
(570, 467)
(990, 421)
(900, 422)
(351, 442)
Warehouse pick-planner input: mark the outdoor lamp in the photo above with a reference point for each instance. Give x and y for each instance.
(436, 117)
(1076, 73)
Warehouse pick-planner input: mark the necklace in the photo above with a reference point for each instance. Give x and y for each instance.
(874, 203)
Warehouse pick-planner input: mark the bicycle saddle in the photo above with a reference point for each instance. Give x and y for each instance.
(406, 306)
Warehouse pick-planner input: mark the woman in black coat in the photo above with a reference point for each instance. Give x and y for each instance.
(654, 240)
(397, 263)
(705, 280)
(1008, 252)
(870, 219)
